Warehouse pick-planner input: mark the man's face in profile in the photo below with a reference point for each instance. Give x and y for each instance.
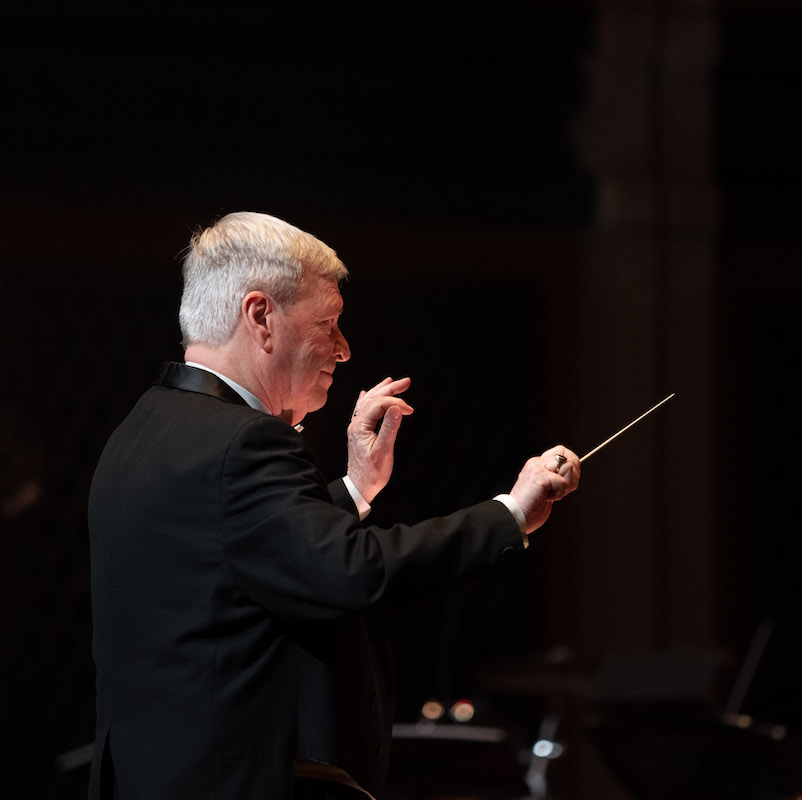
(309, 345)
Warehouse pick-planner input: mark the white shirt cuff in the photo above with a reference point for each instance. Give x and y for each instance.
(515, 509)
(362, 505)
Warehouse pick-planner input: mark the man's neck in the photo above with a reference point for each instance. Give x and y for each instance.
(221, 360)
(249, 397)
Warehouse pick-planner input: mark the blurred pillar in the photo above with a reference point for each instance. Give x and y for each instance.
(637, 568)
(648, 316)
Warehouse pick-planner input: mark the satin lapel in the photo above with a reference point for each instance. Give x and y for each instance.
(192, 379)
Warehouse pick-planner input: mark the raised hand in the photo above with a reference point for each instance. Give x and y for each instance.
(543, 480)
(371, 452)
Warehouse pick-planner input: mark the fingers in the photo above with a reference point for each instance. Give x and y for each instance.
(564, 462)
(548, 481)
(371, 405)
(558, 486)
(387, 388)
(371, 410)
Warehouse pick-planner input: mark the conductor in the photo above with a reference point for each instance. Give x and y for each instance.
(237, 596)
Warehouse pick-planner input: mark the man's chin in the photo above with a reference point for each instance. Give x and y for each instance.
(319, 400)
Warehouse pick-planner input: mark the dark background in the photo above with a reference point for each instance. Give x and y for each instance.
(455, 159)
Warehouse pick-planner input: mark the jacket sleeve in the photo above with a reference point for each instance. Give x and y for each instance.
(297, 554)
(341, 497)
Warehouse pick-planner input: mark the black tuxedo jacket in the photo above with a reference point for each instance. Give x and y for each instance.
(236, 601)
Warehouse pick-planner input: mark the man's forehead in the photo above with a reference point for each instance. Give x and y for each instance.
(323, 293)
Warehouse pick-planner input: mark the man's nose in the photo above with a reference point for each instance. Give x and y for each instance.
(341, 349)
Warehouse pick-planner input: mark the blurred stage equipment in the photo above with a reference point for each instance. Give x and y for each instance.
(449, 753)
(73, 759)
(544, 750)
(662, 738)
(546, 690)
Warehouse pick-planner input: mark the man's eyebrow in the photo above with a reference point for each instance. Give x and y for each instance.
(331, 311)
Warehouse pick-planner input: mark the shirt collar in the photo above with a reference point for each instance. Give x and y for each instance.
(249, 397)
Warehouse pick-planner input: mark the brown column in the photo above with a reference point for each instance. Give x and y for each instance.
(634, 566)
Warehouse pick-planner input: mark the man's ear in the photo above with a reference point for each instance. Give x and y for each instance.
(257, 315)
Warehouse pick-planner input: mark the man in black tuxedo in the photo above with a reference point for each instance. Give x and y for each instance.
(237, 597)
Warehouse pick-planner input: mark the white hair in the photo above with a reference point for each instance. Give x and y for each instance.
(240, 253)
